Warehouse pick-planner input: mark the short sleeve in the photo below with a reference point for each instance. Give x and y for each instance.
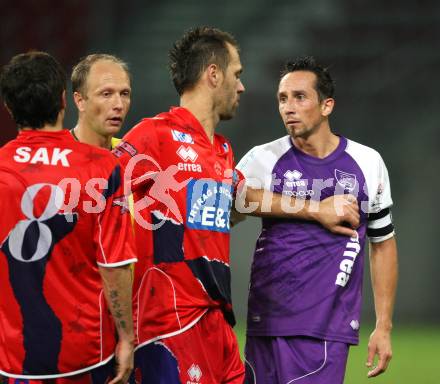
(380, 223)
(254, 168)
(258, 164)
(380, 195)
(113, 233)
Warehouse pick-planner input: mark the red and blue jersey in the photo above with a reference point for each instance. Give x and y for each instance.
(61, 219)
(183, 187)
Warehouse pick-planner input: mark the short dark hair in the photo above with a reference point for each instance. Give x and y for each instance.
(32, 86)
(195, 51)
(325, 86)
(81, 70)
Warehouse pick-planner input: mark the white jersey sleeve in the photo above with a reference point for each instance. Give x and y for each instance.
(378, 189)
(257, 165)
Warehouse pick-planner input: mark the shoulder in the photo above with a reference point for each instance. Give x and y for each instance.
(278, 146)
(220, 138)
(142, 136)
(223, 142)
(267, 152)
(105, 155)
(361, 150)
(97, 157)
(368, 159)
(223, 147)
(8, 147)
(151, 126)
(145, 125)
(375, 173)
(91, 161)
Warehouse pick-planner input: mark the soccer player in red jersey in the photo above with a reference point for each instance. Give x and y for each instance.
(102, 94)
(183, 179)
(66, 243)
(101, 85)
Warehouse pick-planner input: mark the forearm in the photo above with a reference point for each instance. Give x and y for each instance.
(338, 214)
(263, 203)
(384, 274)
(118, 292)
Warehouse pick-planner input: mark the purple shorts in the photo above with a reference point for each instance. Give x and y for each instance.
(294, 359)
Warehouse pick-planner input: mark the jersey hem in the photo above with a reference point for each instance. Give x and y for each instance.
(119, 264)
(317, 335)
(166, 335)
(57, 375)
(382, 238)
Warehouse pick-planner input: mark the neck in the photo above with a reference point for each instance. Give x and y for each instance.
(58, 126)
(200, 106)
(88, 136)
(319, 144)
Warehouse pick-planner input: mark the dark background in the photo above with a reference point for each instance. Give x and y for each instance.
(383, 55)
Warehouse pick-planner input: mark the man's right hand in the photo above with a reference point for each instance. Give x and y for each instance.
(124, 362)
(339, 214)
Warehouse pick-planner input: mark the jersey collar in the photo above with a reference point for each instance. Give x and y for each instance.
(29, 133)
(189, 121)
(315, 160)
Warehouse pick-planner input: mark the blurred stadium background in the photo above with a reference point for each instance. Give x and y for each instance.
(385, 59)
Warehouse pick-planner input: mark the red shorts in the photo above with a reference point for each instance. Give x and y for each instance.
(207, 353)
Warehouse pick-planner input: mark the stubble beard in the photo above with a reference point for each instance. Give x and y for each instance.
(301, 133)
(228, 114)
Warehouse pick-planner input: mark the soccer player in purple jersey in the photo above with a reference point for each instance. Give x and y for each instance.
(306, 281)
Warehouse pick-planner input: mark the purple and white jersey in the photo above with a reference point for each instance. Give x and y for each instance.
(306, 280)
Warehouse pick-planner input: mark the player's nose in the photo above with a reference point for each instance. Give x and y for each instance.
(240, 87)
(289, 107)
(117, 103)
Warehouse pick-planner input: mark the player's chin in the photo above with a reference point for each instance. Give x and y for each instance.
(228, 115)
(113, 128)
(294, 132)
(290, 131)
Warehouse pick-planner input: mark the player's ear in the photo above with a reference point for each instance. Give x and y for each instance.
(79, 101)
(327, 106)
(214, 75)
